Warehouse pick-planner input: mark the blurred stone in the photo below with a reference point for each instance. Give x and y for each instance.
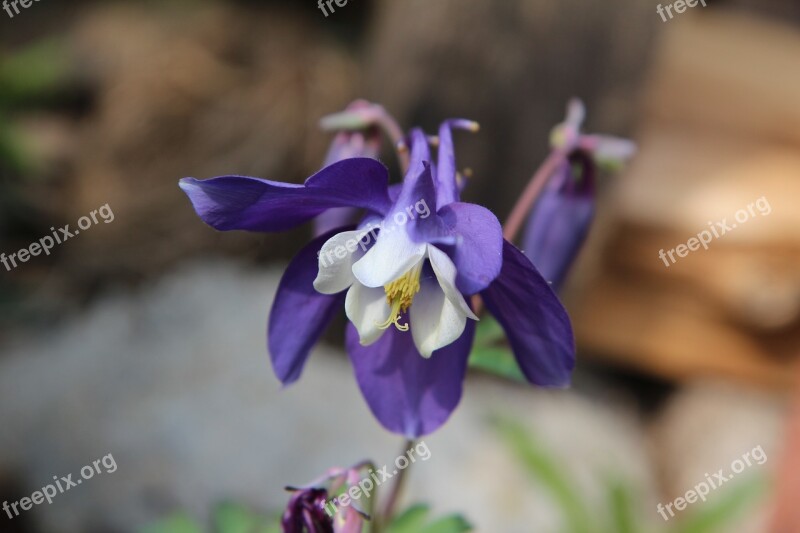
(176, 384)
(707, 426)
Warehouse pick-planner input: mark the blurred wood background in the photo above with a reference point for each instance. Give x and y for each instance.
(721, 129)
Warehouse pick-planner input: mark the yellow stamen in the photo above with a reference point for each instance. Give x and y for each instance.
(399, 295)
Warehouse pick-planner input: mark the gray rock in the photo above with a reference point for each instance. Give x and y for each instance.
(175, 382)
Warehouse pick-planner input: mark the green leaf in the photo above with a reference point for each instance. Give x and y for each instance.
(410, 520)
(232, 517)
(718, 511)
(415, 520)
(544, 469)
(489, 331)
(490, 355)
(14, 153)
(177, 523)
(496, 360)
(34, 72)
(449, 524)
(621, 500)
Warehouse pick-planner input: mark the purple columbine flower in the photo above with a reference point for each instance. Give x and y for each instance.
(305, 512)
(311, 509)
(563, 214)
(404, 279)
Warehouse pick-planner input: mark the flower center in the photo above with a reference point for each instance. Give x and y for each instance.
(399, 295)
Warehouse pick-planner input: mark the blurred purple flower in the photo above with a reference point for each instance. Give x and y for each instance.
(311, 510)
(417, 274)
(305, 512)
(563, 213)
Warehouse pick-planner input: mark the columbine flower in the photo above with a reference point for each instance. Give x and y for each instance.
(405, 280)
(312, 510)
(305, 512)
(562, 216)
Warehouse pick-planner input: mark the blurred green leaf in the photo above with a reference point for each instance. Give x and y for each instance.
(177, 523)
(415, 520)
(449, 524)
(720, 510)
(496, 360)
(228, 517)
(544, 469)
(489, 331)
(13, 153)
(232, 517)
(33, 73)
(489, 355)
(410, 520)
(622, 514)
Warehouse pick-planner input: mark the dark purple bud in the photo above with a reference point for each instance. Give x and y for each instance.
(561, 218)
(305, 512)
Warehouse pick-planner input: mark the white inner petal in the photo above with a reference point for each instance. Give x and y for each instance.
(366, 307)
(446, 272)
(435, 320)
(392, 256)
(336, 260)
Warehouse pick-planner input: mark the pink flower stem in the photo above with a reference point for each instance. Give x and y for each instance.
(395, 133)
(394, 494)
(523, 206)
(525, 203)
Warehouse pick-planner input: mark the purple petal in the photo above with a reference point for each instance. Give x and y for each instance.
(478, 253)
(447, 189)
(576, 113)
(349, 144)
(299, 313)
(560, 221)
(255, 204)
(335, 217)
(345, 145)
(418, 186)
(420, 153)
(407, 393)
(476, 238)
(536, 323)
(414, 209)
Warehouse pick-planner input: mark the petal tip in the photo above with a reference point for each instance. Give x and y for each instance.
(187, 184)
